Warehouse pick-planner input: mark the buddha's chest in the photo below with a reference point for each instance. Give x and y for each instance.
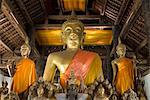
(62, 62)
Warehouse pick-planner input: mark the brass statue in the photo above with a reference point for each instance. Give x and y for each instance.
(72, 88)
(123, 70)
(100, 95)
(42, 90)
(3, 90)
(25, 74)
(87, 65)
(12, 96)
(130, 95)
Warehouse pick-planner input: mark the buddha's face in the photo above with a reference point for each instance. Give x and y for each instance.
(121, 51)
(25, 50)
(73, 35)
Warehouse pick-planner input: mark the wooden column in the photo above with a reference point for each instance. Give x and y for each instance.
(108, 64)
(146, 13)
(116, 32)
(35, 53)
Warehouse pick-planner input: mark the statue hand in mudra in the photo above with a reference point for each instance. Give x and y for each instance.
(86, 65)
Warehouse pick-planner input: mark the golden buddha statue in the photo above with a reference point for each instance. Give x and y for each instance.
(86, 65)
(100, 95)
(40, 92)
(25, 74)
(123, 70)
(12, 96)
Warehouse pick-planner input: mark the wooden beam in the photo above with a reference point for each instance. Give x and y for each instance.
(58, 26)
(43, 6)
(24, 10)
(122, 11)
(146, 14)
(8, 13)
(142, 44)
(65, 17)
(103, 11)
(6, 47)
(60, 7)
(131, 19)
(147, 71)
(13, 10)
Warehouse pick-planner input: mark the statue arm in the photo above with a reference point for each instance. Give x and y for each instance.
(101, 69)
(113, 63)
(50, 69)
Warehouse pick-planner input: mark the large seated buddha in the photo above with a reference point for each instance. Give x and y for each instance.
(86, 65)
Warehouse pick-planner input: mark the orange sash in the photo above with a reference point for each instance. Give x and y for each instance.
(125, 76)
(80, 64)
(25, 75)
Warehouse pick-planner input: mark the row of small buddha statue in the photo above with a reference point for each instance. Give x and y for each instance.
(86, 67)
(99, 90)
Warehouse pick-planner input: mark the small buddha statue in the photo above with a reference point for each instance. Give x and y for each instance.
(87, 65)
(100, 94)
(130, 95)
(40, 92)
(25, 74)
(72, 89)
(3, 90)
(12, 96)
(123, 70)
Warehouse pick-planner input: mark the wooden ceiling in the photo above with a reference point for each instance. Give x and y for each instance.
(20, 18)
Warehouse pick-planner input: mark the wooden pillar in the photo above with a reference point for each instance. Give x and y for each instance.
(116, 32)
(146, 13)
(108, 64)
(0, 4)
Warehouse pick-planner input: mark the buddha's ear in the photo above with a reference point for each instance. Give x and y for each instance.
(63, 38)
(83, 37)
(82, 40)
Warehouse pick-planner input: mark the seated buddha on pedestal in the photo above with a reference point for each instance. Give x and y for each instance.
(87, 66)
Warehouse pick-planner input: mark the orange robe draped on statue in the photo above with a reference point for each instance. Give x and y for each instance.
(87, 67)
(125, 75)
(25, 75)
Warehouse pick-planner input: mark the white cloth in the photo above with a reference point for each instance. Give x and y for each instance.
(147, 85)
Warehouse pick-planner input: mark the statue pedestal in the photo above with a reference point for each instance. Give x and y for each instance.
(147, 85)
(62, 96)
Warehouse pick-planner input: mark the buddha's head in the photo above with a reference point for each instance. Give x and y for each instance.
(72, 32)
(120, 49)
(25, 50)
(40, 91)
(101, 90)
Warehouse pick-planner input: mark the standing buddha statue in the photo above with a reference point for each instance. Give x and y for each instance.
(25, 74)
(123, 70)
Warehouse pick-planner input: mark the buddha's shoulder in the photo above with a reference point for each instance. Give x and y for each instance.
(90, 52)
(59, 53)
(30, 60)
